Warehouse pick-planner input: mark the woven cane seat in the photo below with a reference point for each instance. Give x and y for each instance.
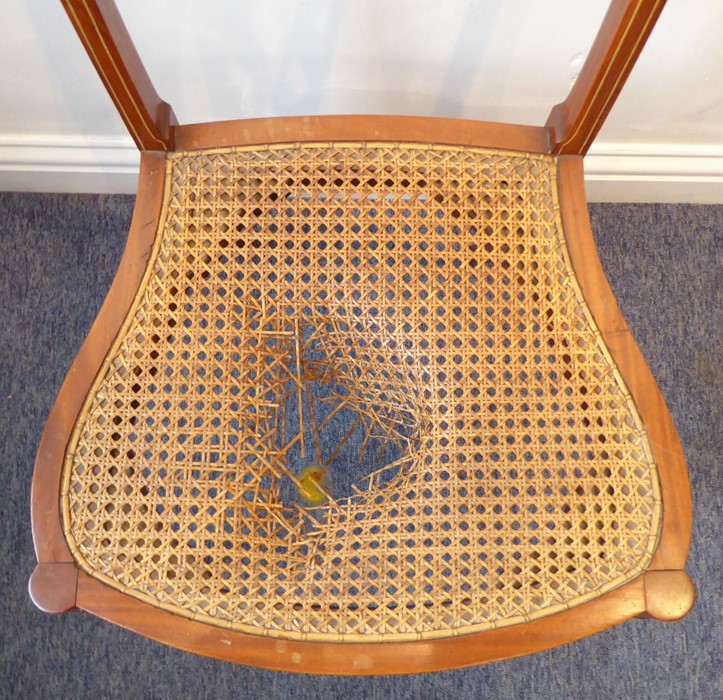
(404, 319)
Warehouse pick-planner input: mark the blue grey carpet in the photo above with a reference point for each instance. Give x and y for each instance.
(58, 254)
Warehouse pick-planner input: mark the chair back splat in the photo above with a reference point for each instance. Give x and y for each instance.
(360, 399)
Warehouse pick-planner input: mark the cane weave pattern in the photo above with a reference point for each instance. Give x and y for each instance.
(403, 320)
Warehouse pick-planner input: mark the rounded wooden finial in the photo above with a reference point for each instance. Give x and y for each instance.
(669, 595)
(53, 586)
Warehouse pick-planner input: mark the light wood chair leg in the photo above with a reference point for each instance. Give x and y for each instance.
(669, 595)
(53, 586)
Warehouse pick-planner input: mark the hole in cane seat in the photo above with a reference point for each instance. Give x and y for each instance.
(346, 413)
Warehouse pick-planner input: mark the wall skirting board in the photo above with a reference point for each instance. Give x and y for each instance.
(68, 164)
(614, 172)
(654, 173)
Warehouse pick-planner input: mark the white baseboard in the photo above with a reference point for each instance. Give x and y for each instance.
(68, 164)
(654, 173)
(613, 172)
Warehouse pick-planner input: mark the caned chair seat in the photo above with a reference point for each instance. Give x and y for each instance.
(354, 405)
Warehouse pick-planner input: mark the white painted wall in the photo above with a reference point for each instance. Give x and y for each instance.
(502, 60)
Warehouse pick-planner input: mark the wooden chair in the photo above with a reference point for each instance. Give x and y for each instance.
(360, 399)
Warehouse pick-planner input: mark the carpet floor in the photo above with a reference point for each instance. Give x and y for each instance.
(58, 254)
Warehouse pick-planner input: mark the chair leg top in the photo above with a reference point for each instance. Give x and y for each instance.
(53, 586)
